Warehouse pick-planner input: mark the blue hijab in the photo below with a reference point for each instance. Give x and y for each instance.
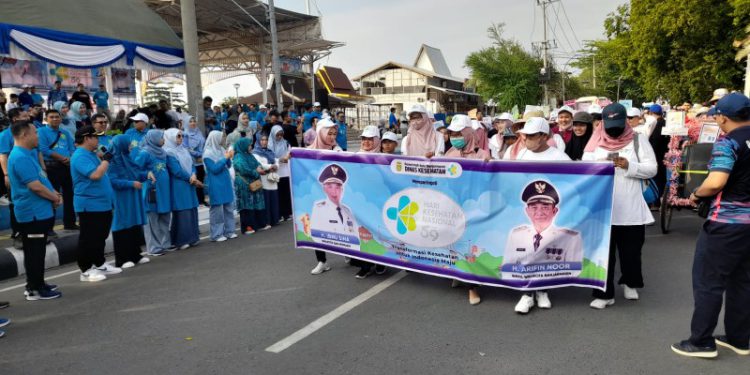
(151, 143)
(121, 156)
(264, 151)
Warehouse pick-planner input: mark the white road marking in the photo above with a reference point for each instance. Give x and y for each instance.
(335, 314)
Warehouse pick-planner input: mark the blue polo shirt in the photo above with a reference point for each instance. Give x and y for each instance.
(307, 119)
(65, 145)
(135, 135)
(341, 136)
(6, 141)
(24, 168)
(89, 195)
(101, 99)
(731, 154)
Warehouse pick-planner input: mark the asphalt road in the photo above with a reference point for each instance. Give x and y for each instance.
(214, 309)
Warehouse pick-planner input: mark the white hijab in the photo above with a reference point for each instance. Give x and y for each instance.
(213, 149)
(177, 151)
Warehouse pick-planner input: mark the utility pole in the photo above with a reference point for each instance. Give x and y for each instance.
(593, 69)
(275, 64)
(545, 48)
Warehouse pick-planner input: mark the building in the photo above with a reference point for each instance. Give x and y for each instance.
(428, 82)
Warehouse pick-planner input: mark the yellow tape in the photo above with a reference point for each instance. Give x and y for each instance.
(691, 172)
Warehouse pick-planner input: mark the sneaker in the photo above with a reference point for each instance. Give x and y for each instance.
(157, 254)
(542, 300)
(4, 304)
(474, 298)
(171, 249)
(249, 232)
(4, 322)
(92, 275)
(108, 269)
(601, 304)
(232, 236)
(525, 304)
(41, 294)
(52, 287)
(685, 348)
(127, 265)
(4, 201)
(722, 341)
(630, 293)
(267, 227)
(380, 269)
(143, 260)
(2, 333)
(320, 268)
(363, 273)
(220, 239)
(185, 246)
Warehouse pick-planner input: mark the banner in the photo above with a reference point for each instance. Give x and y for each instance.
(521, 225)
(16, 73)
(71, 77)
(123, 81)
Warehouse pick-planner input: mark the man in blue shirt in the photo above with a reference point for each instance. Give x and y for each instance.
(393, 121)
(139, 129)
(35, 114)
(341, 136)
(307, 117)
(261, 116)
(35, 97)
(99, 122)
(93, 204)
(56, 95)
(101, 99)
(24, 98)
(35, 200)
(252, 113)
(721, 264)
(57, 146)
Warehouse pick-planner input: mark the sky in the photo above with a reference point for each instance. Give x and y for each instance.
(393, 30)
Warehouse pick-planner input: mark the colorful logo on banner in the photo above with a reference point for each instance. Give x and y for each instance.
(424, 217)
(404, 215)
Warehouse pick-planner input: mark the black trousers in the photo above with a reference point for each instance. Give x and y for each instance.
(92, 238)
(320, 256)
(128, 245)
(200, 174)
(34, 236)
(285, 198)
(14, 227)
(627, 241)
(61, 180)
(255, 219)
(721, 265)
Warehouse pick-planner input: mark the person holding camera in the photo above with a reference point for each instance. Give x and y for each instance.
(92, 200)
(721, 264)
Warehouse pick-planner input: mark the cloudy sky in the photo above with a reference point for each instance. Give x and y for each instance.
(383, 30)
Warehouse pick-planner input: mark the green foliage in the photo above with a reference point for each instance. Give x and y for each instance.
(156, 91)
(505, 71)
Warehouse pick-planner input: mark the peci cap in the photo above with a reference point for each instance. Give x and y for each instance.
(459, 123)
(535, 125)
(390, 136)
(731, 105)
(140, 117)
(332, 173)
(614, 116)
(540, 191)
(583, 117)
(370, 131)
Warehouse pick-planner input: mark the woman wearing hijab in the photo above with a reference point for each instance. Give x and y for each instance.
(194, 142)
(157, 192)
(270, 179)
(184, 229)
(634, 161)
(582, 129)
(220, 193)
(325, 139)
(464, 146)
(279, 144)
(250, 204)
(77, 114)
(242, 130)
(129, 216)
(423, 139)
(67, 123)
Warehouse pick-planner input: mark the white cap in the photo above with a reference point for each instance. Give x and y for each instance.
(325, 123)
(25, 86)
(261, 106)
(459, 122)
(565, 108)
(504, 116)
(634, 112)
(438, 124)
(417, 108)
(140, 117)
(370, 131)
(391, 136)
(316, 104)
(594, 108)
(535, 125)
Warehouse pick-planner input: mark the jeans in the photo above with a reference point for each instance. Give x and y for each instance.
(92, 239)
(157, 231)
(221, 217)
(34, 236)
(721, 266)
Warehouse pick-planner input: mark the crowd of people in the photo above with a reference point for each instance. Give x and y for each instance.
(145, 185)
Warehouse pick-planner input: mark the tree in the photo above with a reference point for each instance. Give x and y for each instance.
(157, 91)
(505, 72)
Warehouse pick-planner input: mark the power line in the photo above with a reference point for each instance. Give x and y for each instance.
(562, 30)
(565, 13)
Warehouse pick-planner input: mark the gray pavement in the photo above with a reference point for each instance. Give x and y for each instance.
(214, 309)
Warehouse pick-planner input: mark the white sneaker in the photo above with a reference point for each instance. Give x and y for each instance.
(185, 246)
(92, 275)
(601, 304)
(4, 201)
(525, 304)
(109, 269)
(144, 260)
(542, 300)
(233, 235)
(127, 265)
(320, 268)
(630, 293)
(220, 239)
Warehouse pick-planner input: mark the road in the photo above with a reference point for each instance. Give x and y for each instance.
(216, 308)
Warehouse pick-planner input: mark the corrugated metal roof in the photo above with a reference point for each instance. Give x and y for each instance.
(435, 58)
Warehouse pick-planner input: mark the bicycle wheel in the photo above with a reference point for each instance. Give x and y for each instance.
(665, 214)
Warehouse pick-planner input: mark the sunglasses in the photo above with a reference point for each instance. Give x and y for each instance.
(101, 122)
(179, 135)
